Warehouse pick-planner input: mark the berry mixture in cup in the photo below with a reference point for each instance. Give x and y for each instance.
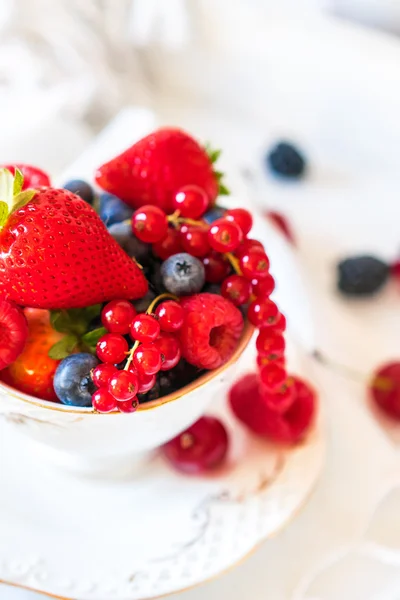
(110, 300)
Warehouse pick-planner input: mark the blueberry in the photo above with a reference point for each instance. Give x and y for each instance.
(362, 275)
(183, 274)
(80, 188)
(213, 214)
(286, 160)
(142, 304)
(72, 382)
(122, 233)
(113, 210)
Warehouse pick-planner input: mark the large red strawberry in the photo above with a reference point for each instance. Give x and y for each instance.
(152, 170)
(56, 253)
(33, 176)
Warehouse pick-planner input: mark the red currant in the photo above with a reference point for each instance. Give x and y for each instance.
(273, 377)
(191, 201)
(170, 350)
(264, 286)
(149, 224)
(224, 236)
(200, 448)
(195, 241)
(169, 245)
(102, 374)
(112, 348)
(128, 406)
(263, 360)
(241, 217)
(170, 315)
(123, 385)
(237, 289)
(117, 316)
(248, 244)
(280, 325)
(103, 401)
(145, 328)
(385, 389)
(281, 400)
(254, 264)
(146, 383)
(147, 359)
(262, 312)
(217, 267)
(270, 343)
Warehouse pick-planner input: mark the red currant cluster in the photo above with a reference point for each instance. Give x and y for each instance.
(155, 348)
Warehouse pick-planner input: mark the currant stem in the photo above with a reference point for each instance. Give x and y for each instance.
(175, 219)
(234, 262)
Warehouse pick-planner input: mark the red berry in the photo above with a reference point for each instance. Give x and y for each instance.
(112, 348)
(264, 286)
(123, 385)
(147, 359)
(103, 401)
(146, 383)
(248, 244)
(102, 374)
(237, 289)
(241, 217)
(224, 236)
(270, 343)
(170, 315)
(262, 312)
(395, 269)
(281, 400)
(272, 377)
(191, 201)
(145, 328)
(117, 316)
(280, 325)
(13, 332)
(169, 245)
(262, 361)
(385, 389)
(149, 224)
(170, 350)
(200, 448)
(282, 224)
(254, 264)
(217, 267)
(128, 406)
(195, 241)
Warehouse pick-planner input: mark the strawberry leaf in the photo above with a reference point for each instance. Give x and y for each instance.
(3, 212)
(18, 182)
(92, 337)
(61, 321)
(21, 199)
(64, 347)
(91, 312)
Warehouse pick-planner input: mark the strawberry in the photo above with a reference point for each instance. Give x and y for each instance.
(56, 253)
(33, 177)
(152, 170)
(33, 371)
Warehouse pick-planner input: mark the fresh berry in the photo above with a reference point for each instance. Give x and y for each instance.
(80, 188)
(211, 330)
(170, 350)
(224, 235)
(146, 382)
(191, 201)
(385, 389)
(102, 374)
(169, 245)
(195, 242)
(395, 269)
(117, 316)
(248, 244)
(281, 400)
(156, 167)
(123, 235)
(56, 253)
(281, 223)
(200, 448)
(213, 214)
(129, 406)
(280, 324)
(264, 286)
(285, 160)
(33, 370)
(112, 348)
(143, 304)
(147, 360)
(217, 268)
(72, 381)
(33, 177)
(362, 275)
(145, 328)
(183, 274)
(263, 312)
(263, 360)
(254, 264)
(237, 289)
(13, 332)
(113, 210)
(123, 385)
(103, 401)
(241, 217)
(149, 224)
(272, 377)
(270, 343)
(170, 315)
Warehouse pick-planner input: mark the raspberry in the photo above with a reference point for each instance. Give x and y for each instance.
(385, 389)
(211, 330)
